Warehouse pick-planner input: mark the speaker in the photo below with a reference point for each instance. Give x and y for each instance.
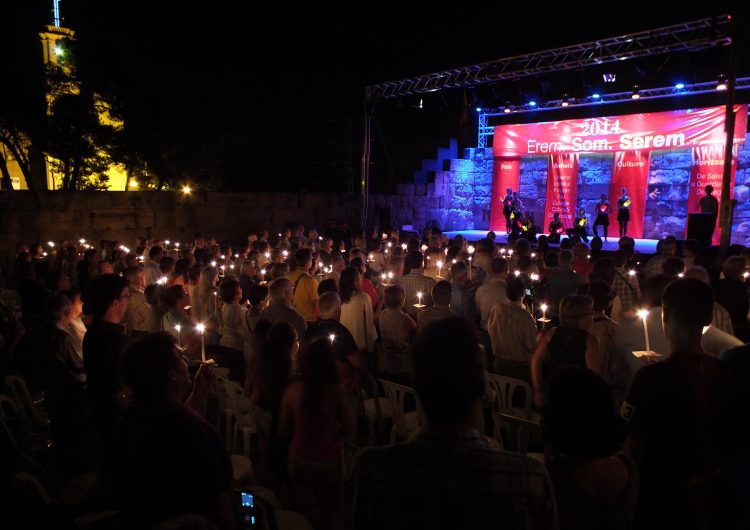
(701, 227)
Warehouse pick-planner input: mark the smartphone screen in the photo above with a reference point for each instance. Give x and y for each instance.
(249, 515)
(247, 500)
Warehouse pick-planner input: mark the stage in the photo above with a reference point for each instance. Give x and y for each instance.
(642, 246)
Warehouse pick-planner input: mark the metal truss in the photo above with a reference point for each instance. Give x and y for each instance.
(486, 130)
(686, 37)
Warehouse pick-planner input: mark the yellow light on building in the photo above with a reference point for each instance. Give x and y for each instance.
(133, 184)
(186, 190)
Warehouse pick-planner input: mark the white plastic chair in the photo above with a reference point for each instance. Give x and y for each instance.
(506, 389)
(405, 424)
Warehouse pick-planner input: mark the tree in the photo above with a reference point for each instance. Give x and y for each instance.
(78, 141)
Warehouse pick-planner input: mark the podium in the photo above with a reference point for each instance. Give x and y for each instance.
(701, 227)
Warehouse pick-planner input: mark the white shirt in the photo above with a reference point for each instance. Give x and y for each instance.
(490, 294)
(356, 316)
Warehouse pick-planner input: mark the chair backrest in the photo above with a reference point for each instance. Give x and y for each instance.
(507, 389)
(515, 431)
(20, 392)
(397, 394)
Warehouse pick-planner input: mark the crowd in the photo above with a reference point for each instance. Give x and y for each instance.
(638, 366)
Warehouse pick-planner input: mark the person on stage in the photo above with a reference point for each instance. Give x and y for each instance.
(556, 228)
(508, 209)
(709, 204)
(603, 210)
(580, 225)
(623, 212)
(528, 227)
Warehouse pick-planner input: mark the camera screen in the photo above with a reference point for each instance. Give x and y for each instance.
(247, 500)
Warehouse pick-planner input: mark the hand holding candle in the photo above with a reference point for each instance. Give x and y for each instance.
(179, 336)
(419, 304)
(643, 313)
(439, 268)
(544, 318)
(201, 328)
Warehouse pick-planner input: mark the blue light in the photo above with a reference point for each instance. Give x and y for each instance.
(680, 86)
(479, 109)
(595, 96)
(532, 103)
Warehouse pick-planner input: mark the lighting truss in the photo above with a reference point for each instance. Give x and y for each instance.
(486, 130)
(686, 37)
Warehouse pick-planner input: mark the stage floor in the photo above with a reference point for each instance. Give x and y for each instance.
(643, 246)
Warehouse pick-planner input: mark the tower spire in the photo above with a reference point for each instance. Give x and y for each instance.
(56, 13)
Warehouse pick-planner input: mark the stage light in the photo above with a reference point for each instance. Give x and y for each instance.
(564, 102)
(532, 103)
(636, 92)
(595, 96)
(479, 109)
(721, 84)
(507, 110)
(679, 86)
(609, 78)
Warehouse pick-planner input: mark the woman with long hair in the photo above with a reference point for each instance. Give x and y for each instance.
(314, 414)
(356, 310)
(205, 304)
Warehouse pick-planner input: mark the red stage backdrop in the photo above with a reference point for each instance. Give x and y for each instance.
(707, 168)
(630, 137)
(657, 130)
(562, 189)
(505, 174)
(629, 170)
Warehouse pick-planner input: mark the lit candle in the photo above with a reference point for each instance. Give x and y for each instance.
(403, 246)
(331, 337)
(469, 268)
(390, 244)
(82, 241)
(223, 268)
(631, 272)
(471, 249)
(643, 313)
(51, 244)
(167, 242)
(510, 252)
(424, 247)
(201, 329)
(745, 275)
(419, 299)
(544, 313)
(162, 280)
(213, 264)
(370, 258)
(267, 255)
(533, 254)
(231, 267)
(285, 253)
(179, 335)
(439, 267)
(502, 251)
(534, 277)
(517, 273)
(177, 244)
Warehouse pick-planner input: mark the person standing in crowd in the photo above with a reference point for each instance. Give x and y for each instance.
(315, 415)
(103, 346)
(623, 211)
(450, 477)
(602, 210)
(682, 422)
(170, 460)
(596, 485)
(305, 285)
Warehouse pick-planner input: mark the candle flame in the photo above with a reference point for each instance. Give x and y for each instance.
(643, 313)
(201, 328)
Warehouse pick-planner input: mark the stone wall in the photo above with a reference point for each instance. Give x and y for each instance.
(27, 216)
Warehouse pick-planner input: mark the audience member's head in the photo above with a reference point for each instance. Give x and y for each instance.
(565, 258)
(499, 267)
(603, 270)
(459, 272)
(673, 266)
(108, 296)
(258, 295)
(154, 369)
(394, 296)
(733, 268)
(228, 291)
(602, 295)
(329, 306)
(441, 293)
(576, 311)
(281, 290)
(329, 285)
(687, 305)
(580, 419)
(58, 308)
(653, 290)
(349, 284)
(699, 273)
(447, 356)
(515, 288)
(169, 297)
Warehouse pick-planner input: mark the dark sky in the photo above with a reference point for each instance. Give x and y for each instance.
(278, 74)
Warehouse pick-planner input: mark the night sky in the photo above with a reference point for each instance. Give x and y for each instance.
(277, 89)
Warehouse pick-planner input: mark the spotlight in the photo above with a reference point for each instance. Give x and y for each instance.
(479, 109)
(532, 103)
(507, 110)
(679, 86)
(564, 102)
(636, 92)
(609, 77)
(595, 96)
(721, 84)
